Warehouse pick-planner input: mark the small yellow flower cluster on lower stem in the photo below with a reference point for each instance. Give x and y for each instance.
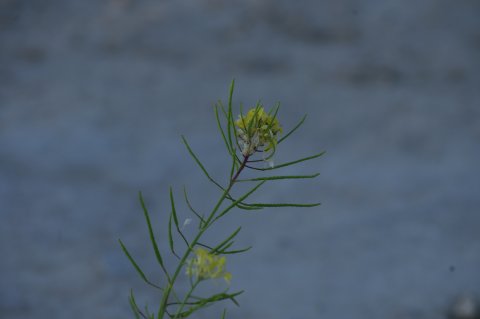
(206, 265)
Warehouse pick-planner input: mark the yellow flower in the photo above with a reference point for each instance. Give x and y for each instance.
(206, 265)
(257, 130)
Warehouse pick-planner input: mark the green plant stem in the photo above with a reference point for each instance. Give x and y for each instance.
(242, 166)
(187, 296)
(168, 289)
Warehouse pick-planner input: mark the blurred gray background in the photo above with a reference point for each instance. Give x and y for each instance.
(94, 96)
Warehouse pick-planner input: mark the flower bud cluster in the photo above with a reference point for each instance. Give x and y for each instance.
(257, 131)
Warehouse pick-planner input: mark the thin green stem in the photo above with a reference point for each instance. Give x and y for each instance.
(242, 166)
(168, 289)
(187, 296)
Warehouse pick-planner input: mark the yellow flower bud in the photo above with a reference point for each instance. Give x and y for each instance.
(256, 131)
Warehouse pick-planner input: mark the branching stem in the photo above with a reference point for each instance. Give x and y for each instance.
(164, 302)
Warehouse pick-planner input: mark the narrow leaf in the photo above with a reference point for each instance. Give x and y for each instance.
(137, 268)
(150, 231)
(239, 200)
(237, 251)
(230, 125)
(190, 151)
(192, 209)
(147, 312)
(175, 218)
(229, 238)
(270, 178)
(205, 301)
(174, 211)
(228, 245)
(245, 206)
(222, 132)
(293, 129)
(285, 205)
(288, 163)
(133, 305)
(170, 237)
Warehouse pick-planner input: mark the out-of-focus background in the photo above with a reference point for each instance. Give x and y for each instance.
(94, 96)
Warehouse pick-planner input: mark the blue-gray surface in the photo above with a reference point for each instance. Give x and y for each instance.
(95, 94)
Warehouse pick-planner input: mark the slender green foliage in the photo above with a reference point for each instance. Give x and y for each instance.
(135, 265)
(289, 163)
(133, 305)
(170, 237)
(223, 243)
(150, 232)
(201, 218)
(250, 139)
(271, 178)
(286, 205)
(293, 129)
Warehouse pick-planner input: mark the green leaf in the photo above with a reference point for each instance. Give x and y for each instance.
(222, 132)
(137, 268)
(204, 170)
(230, 125)
(293, 129)
(270, 178)
(208, 175)
(232, 298)
(234, 165)
(246, 206)
(229, 238)
(133, 305)
(174, 211)
(205, 301)
(150, 231)
(203, 245)
(147, 312)
(190, 151)
(286, 205)
(255, 118)
(170, 237)
(288, 163)
(239, 200)
(224, 296)
(274, 110)
(237, 251)
(222, 108)
(175, 218)
(228, 245)
(202, 220)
